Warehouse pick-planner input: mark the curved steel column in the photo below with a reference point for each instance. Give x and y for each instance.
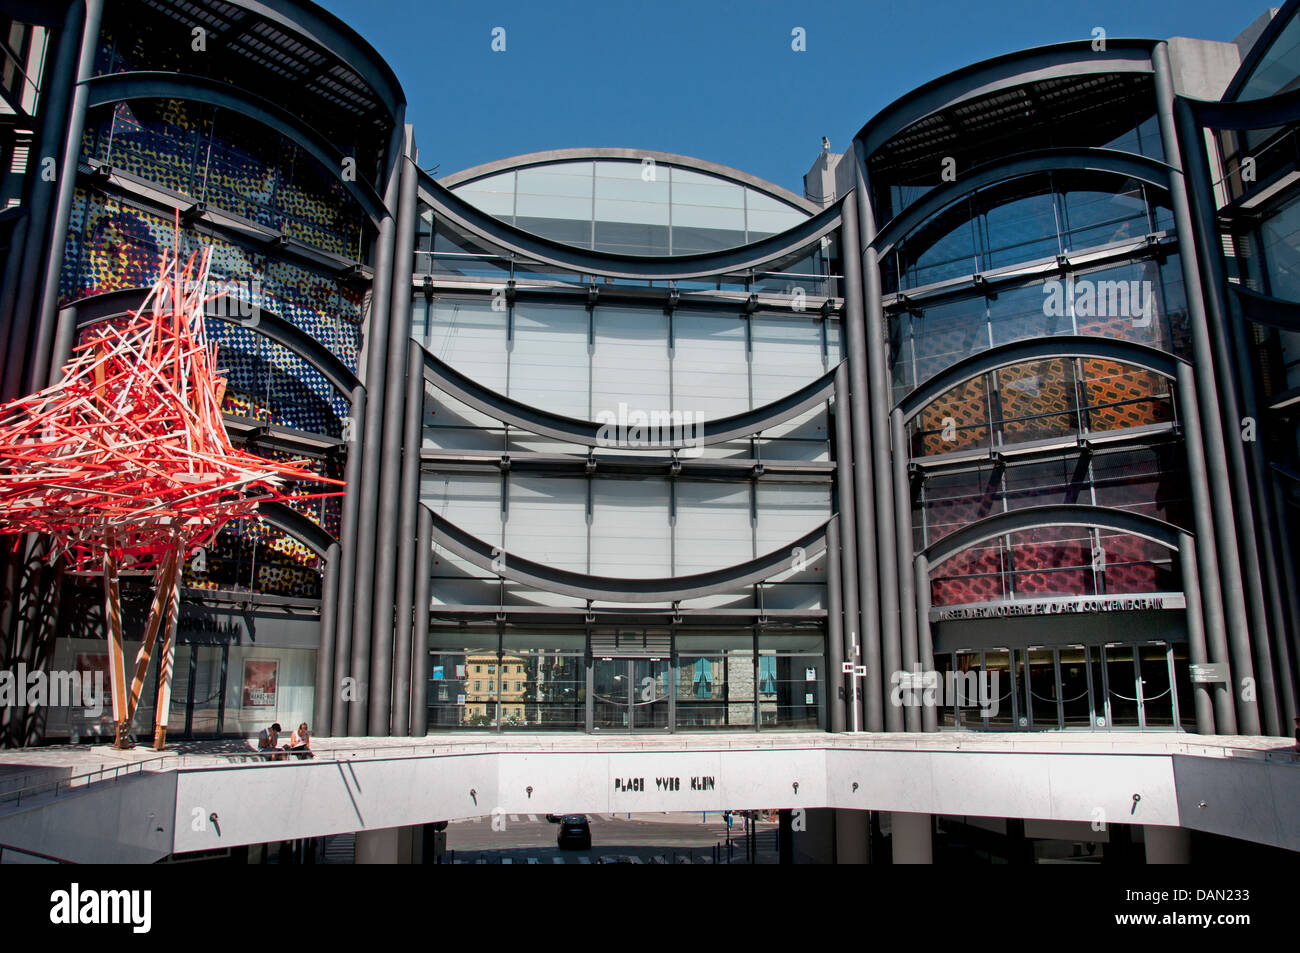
(864, 477)
(405, 595)
(354, 442)
(877, 405)
(903, 542)
(1210, 393)
(1250, 495)
(26, 362)
(377, 334)
(1211, 596)
(1201, 691)
(853, 629)
(329, 598)
(924, 636)
(385, 613)
(834, 627)
(420, 647)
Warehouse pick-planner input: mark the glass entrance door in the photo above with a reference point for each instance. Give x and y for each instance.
(649, 694)
(629, 694)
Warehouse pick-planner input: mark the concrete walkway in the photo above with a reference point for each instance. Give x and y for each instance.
(24, 766)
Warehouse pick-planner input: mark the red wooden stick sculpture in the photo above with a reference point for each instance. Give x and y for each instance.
(125, 464)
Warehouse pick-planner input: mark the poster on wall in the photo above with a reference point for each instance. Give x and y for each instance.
(260, 676)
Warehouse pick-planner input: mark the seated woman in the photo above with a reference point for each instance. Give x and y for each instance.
(300, 742)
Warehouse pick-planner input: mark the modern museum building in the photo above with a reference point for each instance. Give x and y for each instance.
(989, 424)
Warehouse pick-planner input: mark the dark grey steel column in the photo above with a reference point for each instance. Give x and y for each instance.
(1195, 633)
(853, 625)
(906, 573)
(864, 477)
(1287, 569)
(354, 444)
(64, 108)
(411, 440)
(376, 374)
(1252, 500)
(1225, 713)
(925, 638)
(420, 662)
(47, 314)
(876, 403)
(1234, 596)
(329, 604)
(385, 612)
(835, 628)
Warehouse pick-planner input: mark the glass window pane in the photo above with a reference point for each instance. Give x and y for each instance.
(546, 521)
(713, 526)
(629, 364)
(629, 528)
(549, 363)
(710, 366)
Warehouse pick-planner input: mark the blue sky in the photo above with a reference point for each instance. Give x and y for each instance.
(710, 79)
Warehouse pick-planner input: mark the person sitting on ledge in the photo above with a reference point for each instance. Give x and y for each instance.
(269, 741)
(300, 742)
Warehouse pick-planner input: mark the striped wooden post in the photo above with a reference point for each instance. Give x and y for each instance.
(168, 657)
(157, 612)
(116, 661)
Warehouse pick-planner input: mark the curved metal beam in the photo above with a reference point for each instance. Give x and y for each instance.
(587, 261)
(1259, 49)
(1059, 60)
(113, 304)
(1267, 310)
(1126, 164)
(1034, 517)
(115, 87)
(668, 158)
(330, 33)
(613, 588)
(298, 526)
(1037, 349)
(1279, 110)
(588, 433)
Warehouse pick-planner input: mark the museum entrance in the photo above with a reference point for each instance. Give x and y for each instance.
(629, 694)
(1123, 685)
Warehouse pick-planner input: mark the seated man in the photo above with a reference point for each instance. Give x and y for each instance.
(269, 741)
(300, 742)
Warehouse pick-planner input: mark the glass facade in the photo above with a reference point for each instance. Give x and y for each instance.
(631, 207)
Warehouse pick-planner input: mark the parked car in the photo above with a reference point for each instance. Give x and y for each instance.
(575, 833)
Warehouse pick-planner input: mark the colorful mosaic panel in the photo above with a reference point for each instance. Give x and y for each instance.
(1120, 396)
(112, 246)
(957, 420)
(1052, 561)
(1037, 400)
(973, 575)
(229, 162)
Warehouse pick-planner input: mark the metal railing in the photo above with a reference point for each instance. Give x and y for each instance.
(35, 856)
(62, 785)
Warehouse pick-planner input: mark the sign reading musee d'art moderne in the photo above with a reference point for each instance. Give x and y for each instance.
(1070, 605)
